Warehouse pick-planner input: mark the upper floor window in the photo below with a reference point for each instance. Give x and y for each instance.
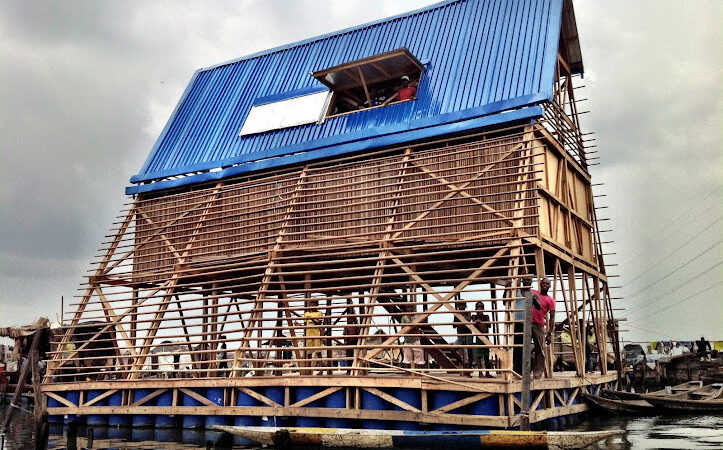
(375, 81)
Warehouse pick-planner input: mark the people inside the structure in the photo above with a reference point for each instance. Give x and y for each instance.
(703, 347)
(412, 353)
(465, 338)
(679, 349)
(481, 322)
(373, 99)
(406, 91)
(313, 322)
(222, 354)
(589, 357)
(543, 327)
(351, 331)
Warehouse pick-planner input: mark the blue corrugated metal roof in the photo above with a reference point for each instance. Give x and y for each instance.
(482, 57)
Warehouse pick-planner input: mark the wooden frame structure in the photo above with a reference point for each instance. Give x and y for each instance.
(301, 278)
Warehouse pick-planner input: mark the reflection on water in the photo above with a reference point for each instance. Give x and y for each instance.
(674, 432)
(669, 432)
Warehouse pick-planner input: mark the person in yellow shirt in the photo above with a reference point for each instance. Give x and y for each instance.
(313, 321)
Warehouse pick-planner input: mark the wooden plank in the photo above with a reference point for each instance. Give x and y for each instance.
(360, 414)
(198, 397)
(265, 400)
(461, 403)
(146, 398)
(326, 392)
(102, 396)
(391, 399)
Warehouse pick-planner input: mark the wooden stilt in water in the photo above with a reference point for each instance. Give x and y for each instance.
(39, 412)
(15, 404)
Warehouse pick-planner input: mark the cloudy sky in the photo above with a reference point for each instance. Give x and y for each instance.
(86, 87)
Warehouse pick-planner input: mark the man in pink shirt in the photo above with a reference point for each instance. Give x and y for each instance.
(542, 330)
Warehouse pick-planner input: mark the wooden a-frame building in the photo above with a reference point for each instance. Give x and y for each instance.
(299, 223)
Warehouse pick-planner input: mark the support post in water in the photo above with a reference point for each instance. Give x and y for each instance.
(15, 404)
(526, 362)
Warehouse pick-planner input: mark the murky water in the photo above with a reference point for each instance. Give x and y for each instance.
(658, 432)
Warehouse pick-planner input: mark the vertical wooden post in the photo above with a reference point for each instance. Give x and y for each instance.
(15, 404)
(526, 363)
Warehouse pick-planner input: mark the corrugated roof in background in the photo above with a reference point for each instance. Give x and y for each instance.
(481, 57)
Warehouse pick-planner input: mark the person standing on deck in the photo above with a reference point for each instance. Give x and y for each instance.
(541, 329)
(703, 347)
(351, 331)
(412, 352)
(313, 333)
(481, 352)
(465, 339)
(525, 295)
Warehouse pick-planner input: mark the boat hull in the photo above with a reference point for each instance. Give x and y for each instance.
(683, 405)
(621, 407)
(621, 395)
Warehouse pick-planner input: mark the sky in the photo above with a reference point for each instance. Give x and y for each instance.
(87, 86)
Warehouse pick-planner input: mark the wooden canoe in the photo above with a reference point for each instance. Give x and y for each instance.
(677, 389)
(706, 399)
(283, 438)
(620, 395)
(621, 407)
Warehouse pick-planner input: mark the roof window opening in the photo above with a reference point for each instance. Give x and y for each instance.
(372, 82)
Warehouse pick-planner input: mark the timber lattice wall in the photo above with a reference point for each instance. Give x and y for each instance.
(308, 272)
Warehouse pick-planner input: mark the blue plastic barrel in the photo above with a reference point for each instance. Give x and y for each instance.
(117, 420)
(215, 394)
(304, 393)
(143, 420)
(121, 433)
(74, 398)
(371, 402)
(142, 434)
(166, 434)
(56, 429)
(562, 422)
(97, 419)
(163, 420)
(53, 403)
(193, 437)
(489, 406)
(213, 437)
(336, 400)
(551, 424)
(276, 394)
(412, 397)
(192, 421)
(444, 398)
(99, 432)
(244, 399)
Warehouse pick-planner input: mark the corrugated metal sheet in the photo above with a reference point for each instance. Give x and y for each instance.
(481, 57)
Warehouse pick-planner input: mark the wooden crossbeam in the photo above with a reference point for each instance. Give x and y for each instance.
(265, 400)
(460, 403)
(326, 392)
(441, 301)
(145, 399)
(452, 194)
